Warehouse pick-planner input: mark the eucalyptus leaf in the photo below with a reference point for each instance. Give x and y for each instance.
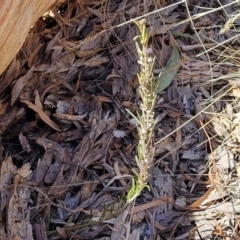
(165, 78)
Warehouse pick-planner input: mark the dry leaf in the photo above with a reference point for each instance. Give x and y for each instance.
(34, 54)
(38, 100)
(24, 171)
(201, 199)
(6, 177)
(19, 85)
(42, 115)
(96, 61)
(146, 206)
(24, 143)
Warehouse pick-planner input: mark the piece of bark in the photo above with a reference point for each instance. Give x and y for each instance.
(16, 18)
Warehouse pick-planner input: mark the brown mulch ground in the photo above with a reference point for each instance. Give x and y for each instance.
(68, 143)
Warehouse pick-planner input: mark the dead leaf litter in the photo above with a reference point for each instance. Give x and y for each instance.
(68, 144)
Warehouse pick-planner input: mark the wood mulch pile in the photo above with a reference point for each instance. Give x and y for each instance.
(68, 143)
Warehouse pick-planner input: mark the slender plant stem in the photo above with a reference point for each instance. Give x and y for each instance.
(147, 87)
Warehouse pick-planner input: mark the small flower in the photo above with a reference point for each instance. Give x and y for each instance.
(150, 59)
(149, 50)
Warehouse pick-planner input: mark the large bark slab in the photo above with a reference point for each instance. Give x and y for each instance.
(16, 18)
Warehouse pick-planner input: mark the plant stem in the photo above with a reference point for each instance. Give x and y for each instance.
(147, 86)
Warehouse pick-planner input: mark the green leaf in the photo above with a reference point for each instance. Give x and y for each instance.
(136, 189)
(167, 75)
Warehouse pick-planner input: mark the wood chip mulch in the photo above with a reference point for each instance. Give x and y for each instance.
(68, 143)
